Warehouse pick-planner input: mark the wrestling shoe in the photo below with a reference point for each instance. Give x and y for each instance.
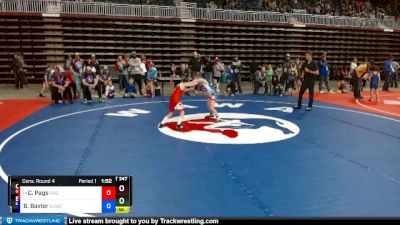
(218, 120)
(209, 116)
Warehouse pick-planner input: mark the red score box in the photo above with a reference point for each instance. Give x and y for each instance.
(108, 193)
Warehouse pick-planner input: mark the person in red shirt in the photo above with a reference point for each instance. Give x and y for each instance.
(71, 83)
(145, 61)
(175, 103)
(117, 70)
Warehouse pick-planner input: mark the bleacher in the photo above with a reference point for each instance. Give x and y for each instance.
(139, 2)
(170, 40)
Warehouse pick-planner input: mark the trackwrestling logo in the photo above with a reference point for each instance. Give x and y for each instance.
(236, 128)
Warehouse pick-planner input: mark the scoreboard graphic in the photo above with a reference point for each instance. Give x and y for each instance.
(70, 194)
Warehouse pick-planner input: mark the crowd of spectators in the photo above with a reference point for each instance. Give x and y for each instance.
(354, 8)
(138, 76)
(78, 78)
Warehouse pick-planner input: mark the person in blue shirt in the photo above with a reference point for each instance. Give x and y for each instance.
(152, 72)
(212, 95)
(388, 72)
(230, 80)
(151, 79)
(323, 73)
(130, 89)
(375, 79)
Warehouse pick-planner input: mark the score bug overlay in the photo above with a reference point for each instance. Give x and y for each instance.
(70, 194)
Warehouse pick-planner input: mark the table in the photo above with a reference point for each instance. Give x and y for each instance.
(162, 79)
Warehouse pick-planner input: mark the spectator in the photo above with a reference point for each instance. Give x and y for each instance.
(90, 81)
(253, 67)
(292, 74)
(135, 71)
(70, 77)
(214, 85)
(230, 80)
(334, 72)
(300, 73)
(152, 73)
(130, 89)
(195, 66)
(344, 78)
(150, 91)
(310, 70)
(174, 75)
(341, 87)
(396, 67)
(343, 73)
(269, 73)
(353, 66)
(324, 74)
(286, 65)
(17, 69)
(183, 72)
(358, 6)
(152, 77)
(211, 4)
(278, 81)
(208, 69)
(68, 62)
(237, 69)
(93, 63)
(77, 69)
(110, 90)
(60, 87)
(22, 70)
(218, 69)
(123, 68)
(144, 60)
(259, 80)
(368, 7)
(104, 77)
(118, 72)
(143, 72)
(46, 80)
(173, 70)
(389, 73)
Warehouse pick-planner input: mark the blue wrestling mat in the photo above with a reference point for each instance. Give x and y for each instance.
(263, 160)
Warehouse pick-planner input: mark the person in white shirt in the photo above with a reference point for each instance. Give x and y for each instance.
(135, 71)
(143, 72)
(110, 90)
(396, 67)
(353, 66)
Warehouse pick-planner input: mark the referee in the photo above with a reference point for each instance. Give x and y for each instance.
(310, 71)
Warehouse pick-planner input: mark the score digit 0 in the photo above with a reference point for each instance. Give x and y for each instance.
(121, 200)
(121, 188)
